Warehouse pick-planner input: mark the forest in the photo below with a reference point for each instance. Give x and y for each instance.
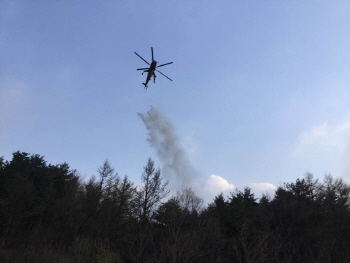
(48, 213)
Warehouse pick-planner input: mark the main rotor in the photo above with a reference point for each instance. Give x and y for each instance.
(153, 65)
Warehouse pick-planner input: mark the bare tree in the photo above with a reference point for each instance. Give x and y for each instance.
(148, 197)
(188, 199)
(151, 192)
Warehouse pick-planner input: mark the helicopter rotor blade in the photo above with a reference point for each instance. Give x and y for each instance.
(152, 53)
(142, 68)
(164, 75)
(141, 58)
(164, 64)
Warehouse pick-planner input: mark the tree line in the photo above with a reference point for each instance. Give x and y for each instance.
(49, 214)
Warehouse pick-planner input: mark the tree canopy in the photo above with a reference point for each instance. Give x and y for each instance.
(49, 214)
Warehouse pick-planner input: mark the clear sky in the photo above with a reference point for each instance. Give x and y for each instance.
(261, 90)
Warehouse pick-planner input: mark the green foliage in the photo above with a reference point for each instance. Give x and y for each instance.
(34, 193)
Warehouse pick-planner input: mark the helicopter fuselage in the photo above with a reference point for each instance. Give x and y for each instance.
(150, 71)
(153, 65)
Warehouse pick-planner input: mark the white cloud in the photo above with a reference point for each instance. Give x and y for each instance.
(324, 140)
(262, 188)
(216, 184)
(326, 147)
(212, 187)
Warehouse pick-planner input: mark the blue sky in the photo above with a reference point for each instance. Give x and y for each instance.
(261, 89)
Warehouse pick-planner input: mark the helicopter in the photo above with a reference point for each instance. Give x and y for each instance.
(153, 67)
